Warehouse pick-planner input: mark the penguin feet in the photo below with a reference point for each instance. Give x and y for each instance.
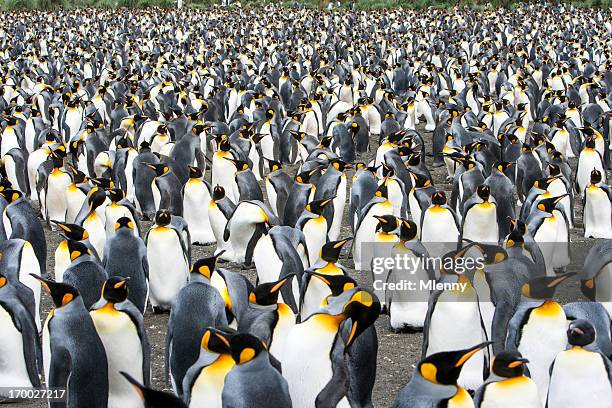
(246, 267)
(158, 310)
(384, 310)
(407, 329)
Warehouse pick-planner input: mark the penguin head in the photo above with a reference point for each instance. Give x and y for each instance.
(96, 198)
(124, 222)
(115, 289)
(508, 364)
(206, 266)
(438, 198)
(388, 224)
(518, 225)
(595, 176)
(317, 206)
(159, 168)
(198, 129)
(408, 230)
(163, 218)
(330, 252)
(297, 135)
(61, 293)
(325, 142)
(195, 173)
(153, 398)
(589, 143)
(515, 239)
(445, 367)
(273, 165)
(78, 177)
(554, 170)
(580, 333)
(266, 294)
(102, 182)
(223, 143)
(382, 191)
(543, 287)
(239, 164)
(361, 311)
(77, 249)
(218, 193)
(71, 232)
(421, 181)
(115, 194)
(337, 284)
(339, 164)
(216, 341)
(503, 166)
(303, 177)
(144, 146)
(548, 204)
(3, 280)
(387, 171)
(484, 192)
(11, 195)
(354, 129)
(5, 184)
(245, 347)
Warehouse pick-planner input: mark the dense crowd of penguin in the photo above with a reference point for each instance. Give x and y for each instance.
(290, 139)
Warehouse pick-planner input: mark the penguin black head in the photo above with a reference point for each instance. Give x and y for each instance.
(159, 168)
(218, 193)
(518, 225)
(325, 142)
(124, 222)
(153, 398)
(11, 195)
(144, 146)
(484, 192)
(239, 164)
(223, 143)
(408, 230)
(78, 177)
(361, 311)
(595, 176)
(492, 254)
(549, 204)
(330, 252)
(589, 143)
(303, 177)
(503, 166)
(554, 170)
(580, 333)
(297, 135)
(266, 294)
(77, 249)
(96, 198)
(515, 239)
(337, 284)
(216, 341)
(339, 164)
(115, 289)
(543, 287)
(206, 266)
(115, 194)
(273, 165)
(72, 232)
(508, 364)
(387, 223)
(387, 171)
(438, 198)
(198, 129)
(354, 128)
(543, 183)
(245, 347)
(445, 367)
(317, 206)
(5, 184)
(102, 182)
(61, 293)
(163, 218)
(382, 191)
(195, 173)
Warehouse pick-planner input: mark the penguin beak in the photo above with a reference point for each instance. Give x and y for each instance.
(470, 352)
(518, 363)
(363, 309)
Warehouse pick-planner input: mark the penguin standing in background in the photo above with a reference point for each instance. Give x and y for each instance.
(244, 228)
(326, 336)
(333, 184)
(434, 383)
(278, 184)
(120, 326)
(196, 192)
(253, 379)
(580, 377)
(90, 219)
(152, 398)
(69, 232)
(20, 221)
(508, 386)
(479, 221)
(299, 195)
(198, 305)
(590, 159)
(166, 189)
(407, 314)
(597, 209)
(85, 273)
(439, 227)
(54, 205)
(419, 196)
(21, 345)
(245, 183)
(204, 381)
(126, 255)
(76, 195)
(144, 177)
(73, 354)
(168, 262)
(118, 208)
(502, 190)
(223, 169)
(220, 210)
(314, 226)
(362, 190)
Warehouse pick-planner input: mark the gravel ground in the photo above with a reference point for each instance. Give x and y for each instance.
(398, 354)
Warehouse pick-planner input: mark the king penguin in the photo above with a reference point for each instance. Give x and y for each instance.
(195, 193)
(439, 226)
(85, 273)
(597, 209)
(120, 326)
(152, 398)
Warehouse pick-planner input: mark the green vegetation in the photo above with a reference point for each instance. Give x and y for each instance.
(360, 4)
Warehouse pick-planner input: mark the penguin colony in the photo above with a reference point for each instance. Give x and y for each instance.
(287, 140)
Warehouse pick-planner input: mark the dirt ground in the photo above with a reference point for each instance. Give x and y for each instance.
(398, 354)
